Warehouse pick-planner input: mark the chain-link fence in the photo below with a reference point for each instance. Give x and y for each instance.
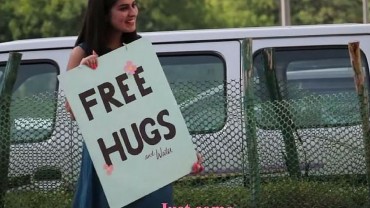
(309, 149)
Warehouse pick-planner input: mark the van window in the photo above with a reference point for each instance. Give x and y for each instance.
(324, 73)
(34, 101)
(34, 78)
(198, 84)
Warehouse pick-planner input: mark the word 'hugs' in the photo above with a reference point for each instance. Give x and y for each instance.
(141, 137)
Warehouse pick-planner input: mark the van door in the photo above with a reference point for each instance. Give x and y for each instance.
(39, 134)
(316, 78)
(205, 80)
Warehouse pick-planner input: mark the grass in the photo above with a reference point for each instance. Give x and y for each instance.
(33, 199)
(286, 193)
(292, 194)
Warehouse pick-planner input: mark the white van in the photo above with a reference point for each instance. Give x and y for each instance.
(205, 70)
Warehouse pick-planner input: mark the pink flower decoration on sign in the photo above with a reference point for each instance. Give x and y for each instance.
(109, 169)
(130, 67)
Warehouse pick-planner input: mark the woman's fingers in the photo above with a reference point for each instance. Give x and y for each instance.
(197, 166)
(87, 62)
(90, 61)
(68, 108)
(199, 158)
(94, 60)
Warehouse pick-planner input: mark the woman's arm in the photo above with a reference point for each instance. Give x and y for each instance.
(76, 58)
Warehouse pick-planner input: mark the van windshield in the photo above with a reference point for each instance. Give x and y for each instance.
(33, 105)
(198, 84)
(1, 75)
(321, 76)
(33, 79)
(318, 82)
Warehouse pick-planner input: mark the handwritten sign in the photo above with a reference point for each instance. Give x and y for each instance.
(130, 121)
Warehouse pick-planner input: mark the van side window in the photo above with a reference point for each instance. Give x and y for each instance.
(34, 78)
(34, 102)
(198, 84)
(323, 72)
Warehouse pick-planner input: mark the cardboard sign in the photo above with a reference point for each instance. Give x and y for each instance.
(130, 121)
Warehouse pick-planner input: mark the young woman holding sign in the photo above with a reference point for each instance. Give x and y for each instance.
(107, 25)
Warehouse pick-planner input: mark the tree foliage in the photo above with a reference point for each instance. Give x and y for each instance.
(326, 11)
(5, 17)
(171, 15)
(246, 13)
(40, 18)
(201, 14)
(21, 19)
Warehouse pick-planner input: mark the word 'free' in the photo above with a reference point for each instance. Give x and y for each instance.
(107, 92)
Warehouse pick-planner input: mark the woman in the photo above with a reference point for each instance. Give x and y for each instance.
(107, 25)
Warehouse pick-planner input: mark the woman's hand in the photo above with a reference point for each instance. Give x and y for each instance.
(197, 166)
(90, 61)
(69, 110)
(76, 58)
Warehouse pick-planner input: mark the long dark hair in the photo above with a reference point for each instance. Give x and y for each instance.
(96, 24)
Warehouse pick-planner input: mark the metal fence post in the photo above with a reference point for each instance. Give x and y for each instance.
(288, 130)
(250, 123)
(355, 55)
(6, 87)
